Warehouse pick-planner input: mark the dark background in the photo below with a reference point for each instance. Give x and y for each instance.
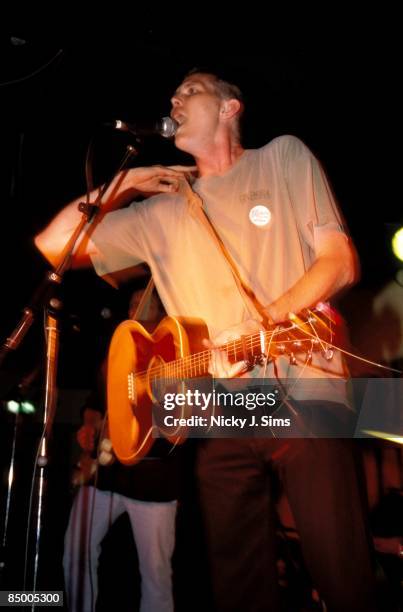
(333, 83)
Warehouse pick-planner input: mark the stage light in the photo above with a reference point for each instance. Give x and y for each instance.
(397, 244)
(24, 407)
(27, 407)
(13, 406)
(390, 437)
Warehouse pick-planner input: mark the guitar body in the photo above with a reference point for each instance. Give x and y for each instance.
(133, 350)
(141, 366)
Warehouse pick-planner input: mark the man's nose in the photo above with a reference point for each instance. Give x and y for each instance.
(176, 101)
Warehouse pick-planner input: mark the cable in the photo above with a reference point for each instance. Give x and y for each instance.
(35, 72)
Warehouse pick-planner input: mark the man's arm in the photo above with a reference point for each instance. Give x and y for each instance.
(334, 269)
(123, 189)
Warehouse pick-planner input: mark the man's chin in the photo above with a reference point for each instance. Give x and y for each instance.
(182, 143)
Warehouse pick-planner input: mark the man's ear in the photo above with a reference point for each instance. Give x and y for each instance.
(230, 108)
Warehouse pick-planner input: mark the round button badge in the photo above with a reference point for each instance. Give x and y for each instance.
(260, 215)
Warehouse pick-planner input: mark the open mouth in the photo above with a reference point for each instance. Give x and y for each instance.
(179, 118)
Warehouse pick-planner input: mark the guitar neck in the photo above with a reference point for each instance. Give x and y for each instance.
(247, 348)
(310, 333)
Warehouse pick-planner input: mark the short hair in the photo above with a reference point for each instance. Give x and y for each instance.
(224, 88)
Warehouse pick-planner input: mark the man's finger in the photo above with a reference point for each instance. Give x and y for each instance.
(237, 368)
(168, 184)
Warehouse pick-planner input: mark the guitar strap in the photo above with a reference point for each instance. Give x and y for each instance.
(196, 208)
(195, 203)
(143, 305)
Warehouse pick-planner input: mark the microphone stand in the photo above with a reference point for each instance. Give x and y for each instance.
(46, 296)
(10, 480)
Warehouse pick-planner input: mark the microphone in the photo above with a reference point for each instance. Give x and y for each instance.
(165, 127)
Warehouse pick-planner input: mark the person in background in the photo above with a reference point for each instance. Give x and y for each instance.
(147, 491)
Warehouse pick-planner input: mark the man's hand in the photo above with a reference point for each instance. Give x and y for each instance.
(156, 179)
(125, 186)
(220, 366)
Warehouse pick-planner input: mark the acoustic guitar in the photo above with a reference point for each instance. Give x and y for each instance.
(139, 362)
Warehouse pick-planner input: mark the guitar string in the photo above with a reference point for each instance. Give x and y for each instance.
(353, 355)
(178, 368)
(204, 360)
(199, 360)
(287, 393)
(204, 356)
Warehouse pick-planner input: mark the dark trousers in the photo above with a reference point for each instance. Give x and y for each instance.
(322, 482)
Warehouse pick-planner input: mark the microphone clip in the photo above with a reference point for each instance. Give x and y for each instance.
(88, 209)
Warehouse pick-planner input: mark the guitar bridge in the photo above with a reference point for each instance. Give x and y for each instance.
(131, 388)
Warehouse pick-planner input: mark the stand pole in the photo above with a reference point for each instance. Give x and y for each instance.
(52, 305)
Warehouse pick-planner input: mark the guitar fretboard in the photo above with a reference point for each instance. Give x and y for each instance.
(294, 336)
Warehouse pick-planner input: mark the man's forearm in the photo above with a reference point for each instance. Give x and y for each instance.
(126, 185)
(327, 276)
(52, 240)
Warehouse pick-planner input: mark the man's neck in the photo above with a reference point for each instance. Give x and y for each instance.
(218, 159)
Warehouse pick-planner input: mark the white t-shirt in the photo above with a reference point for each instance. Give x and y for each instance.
(271, 209)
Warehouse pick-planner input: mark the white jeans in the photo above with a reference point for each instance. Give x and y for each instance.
(153, 525)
